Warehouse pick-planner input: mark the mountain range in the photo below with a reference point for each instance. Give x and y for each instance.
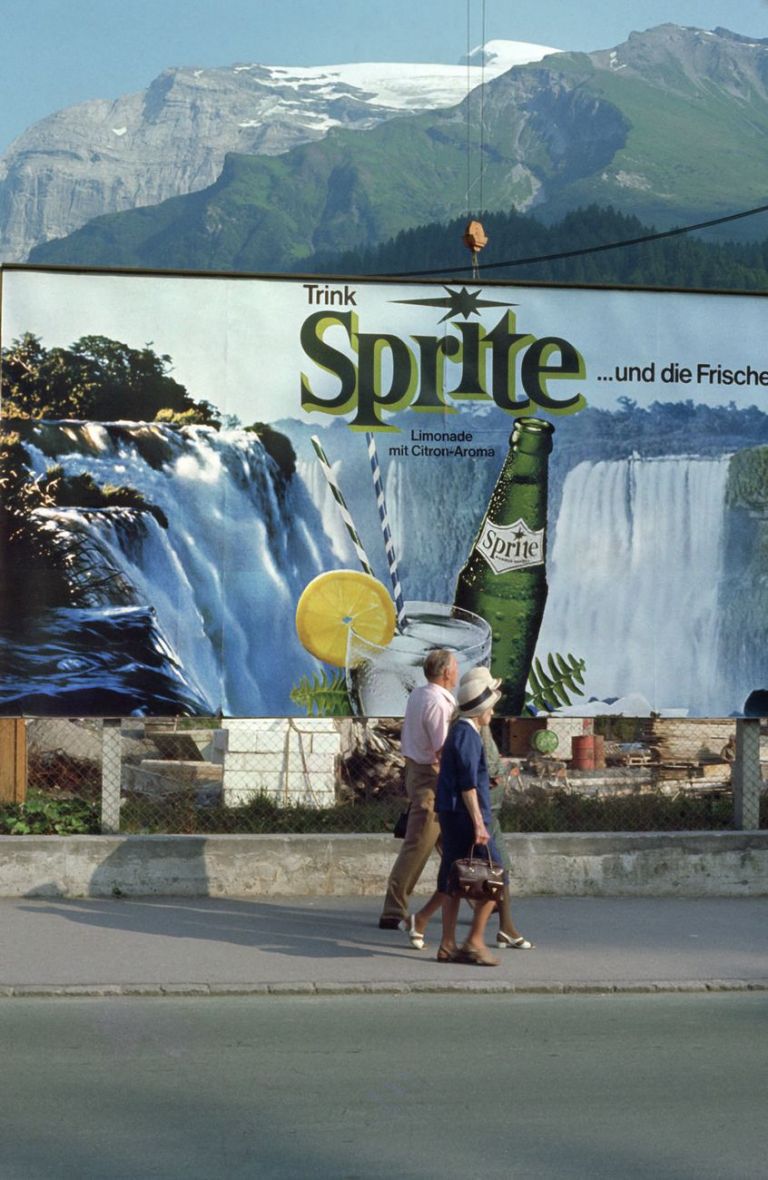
(107, 155)
(670, 127)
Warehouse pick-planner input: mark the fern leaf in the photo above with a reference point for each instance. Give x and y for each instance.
(566, 674)
(550, 689)
(555, 665)
(536, 677)
(323, 695)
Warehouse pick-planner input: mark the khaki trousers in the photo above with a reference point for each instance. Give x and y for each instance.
(421, 836)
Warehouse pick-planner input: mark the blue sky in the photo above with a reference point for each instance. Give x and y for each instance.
(60, 52)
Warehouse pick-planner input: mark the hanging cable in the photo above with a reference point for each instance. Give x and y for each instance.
(622, 244)
(475, 237)
(469, 100)
(482, 110)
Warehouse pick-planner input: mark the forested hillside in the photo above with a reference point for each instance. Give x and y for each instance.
(681, 261)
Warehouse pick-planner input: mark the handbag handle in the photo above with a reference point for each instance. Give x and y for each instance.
(481, 859)
(471, 857)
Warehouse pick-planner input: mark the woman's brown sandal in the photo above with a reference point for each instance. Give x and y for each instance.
(477, 958)
(445, 956)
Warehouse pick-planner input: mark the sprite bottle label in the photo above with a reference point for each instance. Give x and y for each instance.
(510, 547)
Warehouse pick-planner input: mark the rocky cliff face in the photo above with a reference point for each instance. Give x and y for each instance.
(108, 156)
(685, 60)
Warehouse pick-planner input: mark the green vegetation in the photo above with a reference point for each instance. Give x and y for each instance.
(37, 572)
(748, 480)
(43, 816)
(744, 598)
(262, 815)
(682, 261)
(539, 810)
(277, 445)
(701, 123)
(322, 695)
(96, 379)
(548, 688)
(544, 810)
(82, 491)
(201, 415)
(662, 428)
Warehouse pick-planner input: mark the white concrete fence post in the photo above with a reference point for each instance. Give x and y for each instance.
(747, 778)
(111, 775)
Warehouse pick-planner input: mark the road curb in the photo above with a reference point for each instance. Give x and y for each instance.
(447, 987)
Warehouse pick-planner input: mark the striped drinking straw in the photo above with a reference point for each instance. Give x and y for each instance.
(349, 524)
(381, 504)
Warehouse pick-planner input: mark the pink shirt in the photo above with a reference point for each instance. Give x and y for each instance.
(425, 725)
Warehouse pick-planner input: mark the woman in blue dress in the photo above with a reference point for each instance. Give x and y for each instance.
(463, 806)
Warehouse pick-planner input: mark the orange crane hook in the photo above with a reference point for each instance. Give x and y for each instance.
(474, 239)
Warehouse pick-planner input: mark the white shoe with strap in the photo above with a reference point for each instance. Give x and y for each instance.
(506, 942)
(415, 937)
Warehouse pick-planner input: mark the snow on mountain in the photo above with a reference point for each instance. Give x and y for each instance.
(105, 156)
(501, 56)
(409, 86)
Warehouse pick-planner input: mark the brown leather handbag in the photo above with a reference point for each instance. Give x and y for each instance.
(476, 878)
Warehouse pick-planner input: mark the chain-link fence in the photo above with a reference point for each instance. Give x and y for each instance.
(260, 775)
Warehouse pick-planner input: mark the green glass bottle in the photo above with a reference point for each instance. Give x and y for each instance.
(505, 580)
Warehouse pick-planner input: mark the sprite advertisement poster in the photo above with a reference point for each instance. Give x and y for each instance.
(271, 497)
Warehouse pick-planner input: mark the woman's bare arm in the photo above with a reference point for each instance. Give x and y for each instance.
(473, 807)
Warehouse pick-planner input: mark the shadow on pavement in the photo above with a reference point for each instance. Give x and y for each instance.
(307, 930)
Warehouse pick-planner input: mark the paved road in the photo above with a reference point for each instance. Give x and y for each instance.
(324, 944)
(643, 1087)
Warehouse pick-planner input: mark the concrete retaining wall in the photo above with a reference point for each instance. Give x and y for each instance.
(682, 864)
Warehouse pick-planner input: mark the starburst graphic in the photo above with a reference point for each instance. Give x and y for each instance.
(459, 303)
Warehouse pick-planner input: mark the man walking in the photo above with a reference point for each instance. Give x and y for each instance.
(425, 725)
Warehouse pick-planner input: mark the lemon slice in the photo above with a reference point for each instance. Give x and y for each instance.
(336, 601)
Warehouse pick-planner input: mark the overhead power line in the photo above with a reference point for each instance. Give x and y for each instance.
(654, 237)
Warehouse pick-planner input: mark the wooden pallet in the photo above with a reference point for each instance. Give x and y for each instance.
(634, 758)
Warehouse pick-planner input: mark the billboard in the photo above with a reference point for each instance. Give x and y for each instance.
(262, 496)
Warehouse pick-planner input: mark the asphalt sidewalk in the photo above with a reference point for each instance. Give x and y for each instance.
(322, 945)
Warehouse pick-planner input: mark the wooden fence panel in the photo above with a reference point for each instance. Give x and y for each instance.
(13, 760)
